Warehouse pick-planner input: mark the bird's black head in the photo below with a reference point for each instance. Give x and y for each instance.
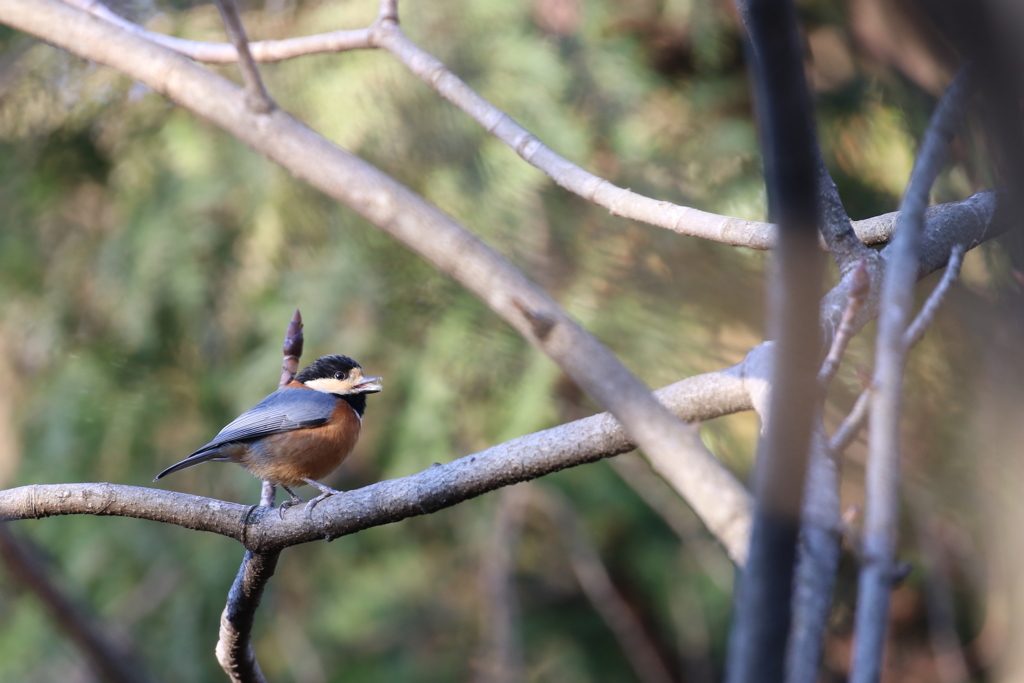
(327, 367)
(341, 376)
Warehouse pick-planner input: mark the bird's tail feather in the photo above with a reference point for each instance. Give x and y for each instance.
(191, 461)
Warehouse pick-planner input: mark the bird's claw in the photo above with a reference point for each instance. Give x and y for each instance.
(288, 503)
(325, 492)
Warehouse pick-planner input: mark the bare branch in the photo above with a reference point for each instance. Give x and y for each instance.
(109, 659)
(698, 398)
(257, 96)
(836, 229)
(598, 587)
(762, 603)
(234, 648)
(851, 425)
(881, 507)
(619, 201)
(710, 488)
(225, 53)
(818, 564)
(687, 221)
(915, 332)
(859, 288)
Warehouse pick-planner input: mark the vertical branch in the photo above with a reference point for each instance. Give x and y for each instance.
(820, 552)
(762, 605)
(108, 659)
(501, 658)
(257, 97)
(882, 476)
(234, 644)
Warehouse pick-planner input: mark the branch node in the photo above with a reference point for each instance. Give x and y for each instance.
(541, 323)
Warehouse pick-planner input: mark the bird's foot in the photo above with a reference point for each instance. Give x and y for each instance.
(325, 492)
(288, 503)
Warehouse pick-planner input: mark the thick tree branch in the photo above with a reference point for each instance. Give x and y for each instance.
(698, 398)
(882, 476)
(757, 645)
(709, 488)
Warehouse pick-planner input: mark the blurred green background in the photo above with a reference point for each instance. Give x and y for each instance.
(149, 264)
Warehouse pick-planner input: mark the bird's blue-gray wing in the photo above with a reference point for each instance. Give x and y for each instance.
(283, 411)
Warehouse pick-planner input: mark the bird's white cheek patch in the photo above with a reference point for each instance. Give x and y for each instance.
(331, 386)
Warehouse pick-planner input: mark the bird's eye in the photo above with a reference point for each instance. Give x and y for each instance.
(340, 375)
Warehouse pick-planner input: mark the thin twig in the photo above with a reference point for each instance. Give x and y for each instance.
(882, 475)
(225, 53)
(924, 318)
(111, 660)
(257, 98)
(687, 221)
(234, 642)
(859, 289)
(851, 425)
(597, 585)
(850, 428)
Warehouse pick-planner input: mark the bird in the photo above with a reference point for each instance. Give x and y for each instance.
(298, 434)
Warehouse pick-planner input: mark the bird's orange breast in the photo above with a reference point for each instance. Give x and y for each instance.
(312, 453)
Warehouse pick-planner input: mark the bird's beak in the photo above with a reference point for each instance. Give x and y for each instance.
(369, 385)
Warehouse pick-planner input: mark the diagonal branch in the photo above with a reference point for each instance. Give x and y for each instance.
(858, 416)
(882, 476)
(257, 98)
(597, 585)
(710, 489)
(108, 658)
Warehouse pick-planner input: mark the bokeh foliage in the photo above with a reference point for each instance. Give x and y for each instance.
(149, 264)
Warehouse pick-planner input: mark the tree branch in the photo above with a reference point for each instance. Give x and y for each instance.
(859, 288)
(257, 98)
(882, 476)
(226, 53)
(109, 659)
(757, 645)
(820, 552)
(709, 488)
(386, 34)
(698, 398)
(234, 641)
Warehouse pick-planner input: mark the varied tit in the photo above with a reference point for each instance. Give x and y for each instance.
(298, 434)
